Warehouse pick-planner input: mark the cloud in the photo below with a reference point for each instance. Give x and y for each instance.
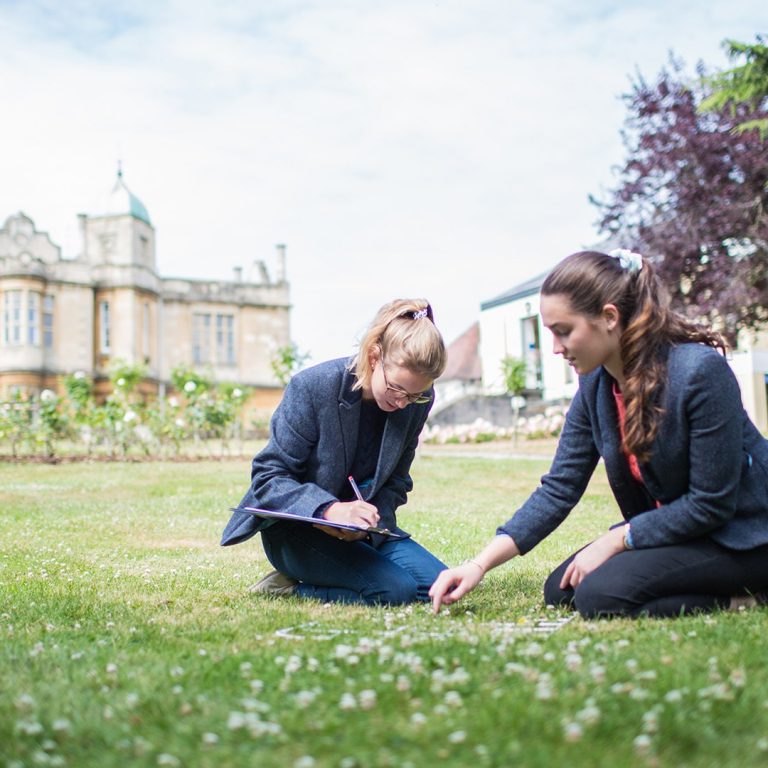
(400, 148)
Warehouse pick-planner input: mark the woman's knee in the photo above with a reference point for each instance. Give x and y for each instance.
(398, 591)
(595, 598)
(553, 594)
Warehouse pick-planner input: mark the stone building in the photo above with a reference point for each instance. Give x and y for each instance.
(62, 315)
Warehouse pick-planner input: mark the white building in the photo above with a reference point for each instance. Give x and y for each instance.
(510, 325)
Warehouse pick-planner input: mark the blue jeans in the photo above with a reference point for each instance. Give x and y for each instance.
(397, 572)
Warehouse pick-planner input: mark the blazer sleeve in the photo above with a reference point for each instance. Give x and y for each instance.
(562, 487)
(710, 419)
(281, 472)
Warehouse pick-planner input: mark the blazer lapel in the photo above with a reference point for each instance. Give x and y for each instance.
(392, 443)
(349, 416)
(632, 497)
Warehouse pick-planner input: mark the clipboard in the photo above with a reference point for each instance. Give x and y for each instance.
(272, 515)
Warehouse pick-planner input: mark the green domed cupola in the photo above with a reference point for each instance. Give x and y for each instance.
(122, 201)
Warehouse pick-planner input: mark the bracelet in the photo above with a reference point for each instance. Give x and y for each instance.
(627, 541)
(475, 563)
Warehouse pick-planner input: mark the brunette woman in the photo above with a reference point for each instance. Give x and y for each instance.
(658, 402)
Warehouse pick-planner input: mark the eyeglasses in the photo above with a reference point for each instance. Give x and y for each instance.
(401, 394)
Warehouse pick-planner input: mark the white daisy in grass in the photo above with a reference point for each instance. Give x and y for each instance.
(347, 701)
(572, 661)
(674, 696)
(738, 678)
(642, 744)
(367, 699)
(651, 721)
(61, 725)
(29, 727)
(236, 721)
(305, 698)
(572, 732)
(597, 673)
(590, 714)
(453, 699)
(25, 702)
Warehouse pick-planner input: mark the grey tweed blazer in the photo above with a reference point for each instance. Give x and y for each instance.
(708, 469)
(313, 439)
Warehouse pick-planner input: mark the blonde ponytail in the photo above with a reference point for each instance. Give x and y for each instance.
(405, 334)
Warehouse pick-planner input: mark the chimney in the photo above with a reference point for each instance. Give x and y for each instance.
(238, 274)
(280, 269)
(82, 219)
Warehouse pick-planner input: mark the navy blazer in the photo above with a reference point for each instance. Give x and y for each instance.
(708, 468)
(313, 439)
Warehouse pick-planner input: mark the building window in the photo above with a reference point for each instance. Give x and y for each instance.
(12, 318)
(225, 339)
(105, 330)
(145, 332)
(144, 249)
(33, 319)
(48, 321)
(201, 338)
(529, 332)
(213, 339)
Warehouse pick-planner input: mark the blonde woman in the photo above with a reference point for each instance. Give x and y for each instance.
(359, 418)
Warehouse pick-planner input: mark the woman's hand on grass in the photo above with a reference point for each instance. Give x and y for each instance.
(451, 585)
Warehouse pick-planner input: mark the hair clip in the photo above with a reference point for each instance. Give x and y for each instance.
(419, 313)
(629, 260)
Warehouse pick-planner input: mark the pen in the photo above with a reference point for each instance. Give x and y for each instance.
(355, 488)
(382, 531)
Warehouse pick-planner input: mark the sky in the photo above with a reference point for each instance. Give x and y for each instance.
(399, 148)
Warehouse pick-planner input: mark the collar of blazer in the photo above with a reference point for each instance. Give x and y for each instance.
(348, 396)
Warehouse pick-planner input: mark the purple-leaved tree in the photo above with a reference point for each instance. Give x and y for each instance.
(693, 196)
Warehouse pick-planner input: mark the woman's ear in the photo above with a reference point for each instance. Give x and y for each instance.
(611, 316)
(374, 355)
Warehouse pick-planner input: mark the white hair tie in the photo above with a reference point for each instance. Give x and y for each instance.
(628, 259)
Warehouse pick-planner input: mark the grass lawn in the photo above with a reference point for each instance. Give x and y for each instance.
(128, 638)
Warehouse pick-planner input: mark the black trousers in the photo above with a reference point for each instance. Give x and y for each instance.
(679, 579)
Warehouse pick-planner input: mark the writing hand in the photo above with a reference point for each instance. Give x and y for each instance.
(358, 513)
